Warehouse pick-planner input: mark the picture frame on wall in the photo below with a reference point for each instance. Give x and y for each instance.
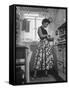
(37, 44)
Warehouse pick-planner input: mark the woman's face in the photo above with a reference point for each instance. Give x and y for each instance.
(45, 24)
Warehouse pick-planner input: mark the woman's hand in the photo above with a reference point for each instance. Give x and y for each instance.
(50, 38)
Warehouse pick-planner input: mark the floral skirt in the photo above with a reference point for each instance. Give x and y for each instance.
(43, 57)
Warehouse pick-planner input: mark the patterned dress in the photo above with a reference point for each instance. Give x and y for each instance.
(43, 57)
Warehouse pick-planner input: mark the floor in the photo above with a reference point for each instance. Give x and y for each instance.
(49, 78)
(41, 77)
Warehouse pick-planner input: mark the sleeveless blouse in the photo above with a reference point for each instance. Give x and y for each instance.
(44, 32)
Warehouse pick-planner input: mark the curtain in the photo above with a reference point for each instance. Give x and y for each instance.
(25, 25)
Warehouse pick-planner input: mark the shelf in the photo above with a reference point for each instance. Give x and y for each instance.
(62, 35)
(58, 61)
(20, 64)
(62, 26)
(21, 68)
(61, 43)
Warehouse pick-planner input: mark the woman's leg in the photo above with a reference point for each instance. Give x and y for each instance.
(46, 72)
(35, 73)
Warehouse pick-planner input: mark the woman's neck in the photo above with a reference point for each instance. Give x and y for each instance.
(43, 26)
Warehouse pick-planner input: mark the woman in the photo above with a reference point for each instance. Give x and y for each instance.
(43, 58)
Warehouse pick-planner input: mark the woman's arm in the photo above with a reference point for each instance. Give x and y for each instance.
(41, 34)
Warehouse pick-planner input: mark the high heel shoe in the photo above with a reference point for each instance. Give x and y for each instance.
(46, 73)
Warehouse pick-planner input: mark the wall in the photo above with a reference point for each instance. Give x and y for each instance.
(59, 17)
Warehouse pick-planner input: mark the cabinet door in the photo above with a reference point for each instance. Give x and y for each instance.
(20, 65)
(20, 52)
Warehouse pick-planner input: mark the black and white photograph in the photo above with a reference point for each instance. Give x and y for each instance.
(40, 44)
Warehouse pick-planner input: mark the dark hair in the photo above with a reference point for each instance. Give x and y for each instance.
(45, 20)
